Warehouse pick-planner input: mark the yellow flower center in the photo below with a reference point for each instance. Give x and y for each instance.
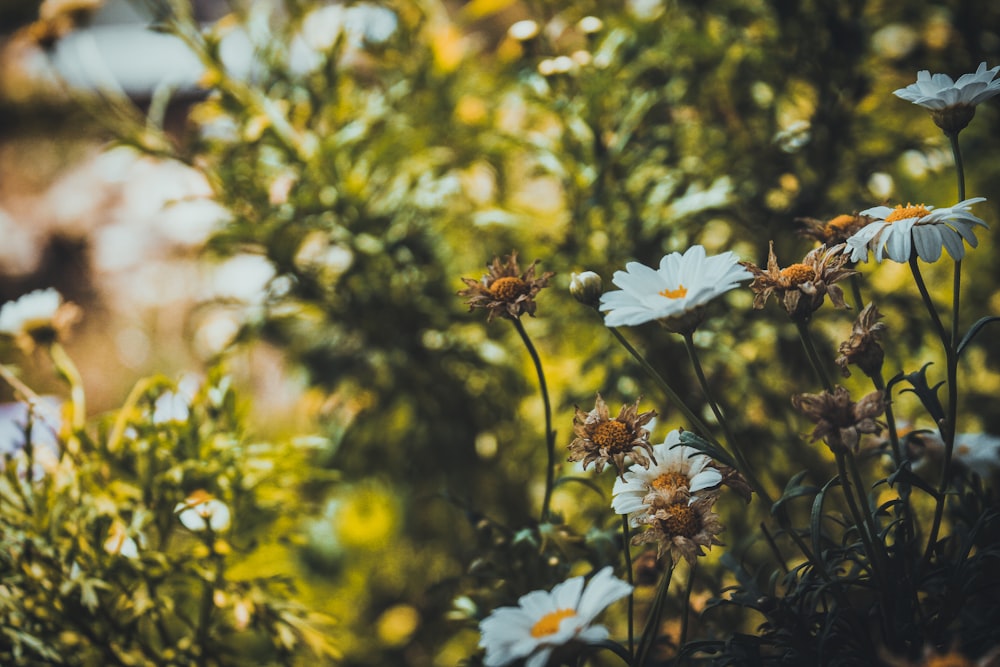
(549, 624)
(680, 520)
(796, 274)
(508, 288)
(612, 434)
(905, 212)
(678, 293)
(671, 480)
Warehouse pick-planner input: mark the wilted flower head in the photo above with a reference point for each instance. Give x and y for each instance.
(679, 474)
(505, 290)
(681, 528)
(952, 103)
(862, 348)
(801, 287)
(201, 510)
(674, 294)
(586, 287)
(834, 231)
(600, 439)
(898, 232)
(38, 318)
(544, 622)
(840, 422)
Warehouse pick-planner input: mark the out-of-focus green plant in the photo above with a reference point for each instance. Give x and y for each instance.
(125, 540)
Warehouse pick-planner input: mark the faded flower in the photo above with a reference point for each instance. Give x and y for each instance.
(899, 232)
(674, 294)
(600, 439)
(840, 422)
(679, 474)
(505, 290)
(544, 622)
(952, 104)
(38, 318)
(682, 528)
(863, 349)
(835, 230)
(801, 287)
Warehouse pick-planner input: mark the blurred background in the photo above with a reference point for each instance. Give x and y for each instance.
(294, 188)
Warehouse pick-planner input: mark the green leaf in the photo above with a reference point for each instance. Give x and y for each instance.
(795, 490)
(973, 331)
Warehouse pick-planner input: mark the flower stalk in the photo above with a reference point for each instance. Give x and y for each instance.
(550, 435)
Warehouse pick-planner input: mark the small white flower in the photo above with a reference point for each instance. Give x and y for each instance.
(118, 542)
(681, 285)
(680, 472)
(938, 91)
(980, 452)
(896, 232)
(544, 621)
(202, 510)
(33, 310)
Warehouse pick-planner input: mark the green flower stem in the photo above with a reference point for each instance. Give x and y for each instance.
(652, 626)
(744, 463)
(928, 303)
(867, 537)
(686, 608)
(550, 435)
(67, 369)
(859, 302)
(627, 548)
(890, 419)
(813, 354)
(696, 424)
(17, 385)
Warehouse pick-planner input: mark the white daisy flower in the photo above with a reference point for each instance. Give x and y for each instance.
(980, 452)
(674, 293)
(543, 621)
(679, 473)
(897, 232)
(33, 310)
(201, 510)
(938, 91)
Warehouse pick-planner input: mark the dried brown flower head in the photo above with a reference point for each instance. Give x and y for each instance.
(735, 480)
(682, 528)
(801, 287)
(835, 230)
(840, 422)
(600, 439)
(505, 291)
(862, 348)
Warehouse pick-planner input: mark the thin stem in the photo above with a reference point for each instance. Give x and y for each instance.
(813, 354)
(550, 436)
(17, 385)
(64, 364)
(874, 560)
(744, 464)
(696, 424)
(859, 302)
(627, 548)
(652, 627)
(959, 169)
(685, 613)
(925, 295)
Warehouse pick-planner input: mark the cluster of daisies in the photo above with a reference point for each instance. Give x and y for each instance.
(669, 489)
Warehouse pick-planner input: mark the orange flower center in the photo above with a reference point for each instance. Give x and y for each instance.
(840, 223)
(948, 660)
(508, 288)
(671, 480)
(796, 274)
(680, 520)
(905, 212)
(612, 434)
(549, 624)
(678, 293)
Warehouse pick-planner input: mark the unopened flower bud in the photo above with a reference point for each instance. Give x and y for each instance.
(586, 288)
